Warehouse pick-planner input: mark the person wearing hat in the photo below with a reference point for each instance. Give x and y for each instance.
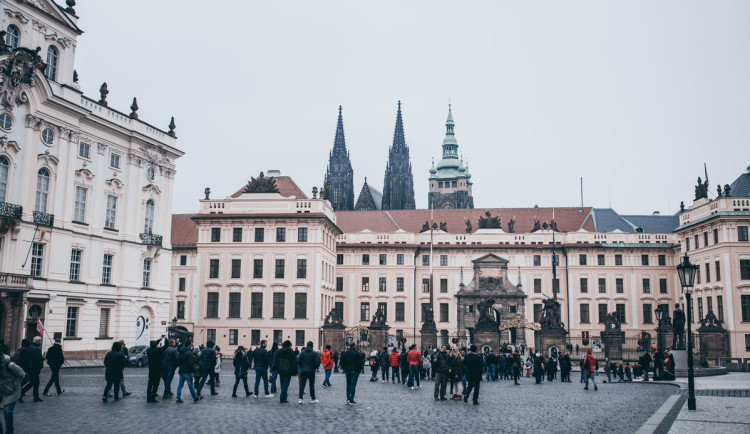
(55, 360)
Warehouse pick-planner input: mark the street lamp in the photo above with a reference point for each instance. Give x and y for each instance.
(687, 271)
(174, 322)
(659, 315)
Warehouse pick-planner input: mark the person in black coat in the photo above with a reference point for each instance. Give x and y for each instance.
(35, 363)
(55, 360)
(285, 363)
(208, 367)
(473, 367)
(658, 365)
(336, 361)
(351, 364)
(186, 369)
(309, 361)
(261, 361)
(155, 356)
(645, 362)
(114, 363)
(241, 366)
(538, 368)
(271, 360)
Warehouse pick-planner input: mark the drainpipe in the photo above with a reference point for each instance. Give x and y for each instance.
(414, 289)
(567, 287)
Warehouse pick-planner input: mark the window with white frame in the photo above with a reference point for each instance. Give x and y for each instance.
(110, 214)
(71, 322)
(114, 160)
(48, 137)
(79, 211)
(52, 56)
(37, 259)
(42, 190)
(107, 268)
(4, 171)
(6, 121)
(148, 225)
(146, 273)
(12, 35)
(84, 150)
(75, 265)
(104, 323)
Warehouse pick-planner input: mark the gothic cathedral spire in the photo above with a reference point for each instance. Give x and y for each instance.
(398, 187)
(339, 174)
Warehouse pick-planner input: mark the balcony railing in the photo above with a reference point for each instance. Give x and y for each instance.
(151, 239)
(43, 218)
(11, 211)
(11, 281)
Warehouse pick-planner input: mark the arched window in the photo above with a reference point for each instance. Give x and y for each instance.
(11, 37)
(148, 227)
(4, 170)
(42, 190)
(52, 55)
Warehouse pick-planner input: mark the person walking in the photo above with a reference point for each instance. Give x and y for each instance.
(374, 362)
(538, 368)
(351, 364)
(589, 368)
(196, 367)
(414, 359)
(441, 366)
(124, 350)
(169, 367)
(456, 374)
(114, 363)
(285, 364)
(35, 363)
(217, 367)
(260, 361)
(473, 367)
(517, 363)
(271, 363)
(336, 361)
(55, 360)
(186, 369)
(208, 366)
(309, 361)
(607, 369)
(658, 365)
(426, 365)
(155, 356)
(645, 362)
(327, 362)
(529, 365)
(385, 365)
(241, 367)
(11, 377)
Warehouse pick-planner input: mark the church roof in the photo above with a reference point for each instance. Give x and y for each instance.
(369, 198)
(741, 186)
(286, 186)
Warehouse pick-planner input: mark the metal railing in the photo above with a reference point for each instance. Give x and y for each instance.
(11, 210)
(151, 239)
(43, 218)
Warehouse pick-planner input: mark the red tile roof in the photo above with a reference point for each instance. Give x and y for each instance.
(184, 231)
(286, 186)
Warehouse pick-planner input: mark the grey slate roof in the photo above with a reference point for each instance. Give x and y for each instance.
(607, 220)
(654, 224)
(377, 196)
(741, 186)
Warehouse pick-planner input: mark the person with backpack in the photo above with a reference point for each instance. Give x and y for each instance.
(55, 360)
(11, 377)
(374, 362)
(589, 367)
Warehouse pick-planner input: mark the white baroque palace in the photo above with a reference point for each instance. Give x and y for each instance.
(85, 197)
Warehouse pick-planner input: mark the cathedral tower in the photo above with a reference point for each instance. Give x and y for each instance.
(339, 177)
(398, 187)
(450, 181)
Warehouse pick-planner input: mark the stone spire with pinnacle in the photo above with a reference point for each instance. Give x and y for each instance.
(339, 174)
(450, 181)
(398, 186)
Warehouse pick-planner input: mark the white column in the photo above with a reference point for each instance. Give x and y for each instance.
(633, 302)
(728, 291)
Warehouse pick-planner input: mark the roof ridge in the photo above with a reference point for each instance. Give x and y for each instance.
(392, 219)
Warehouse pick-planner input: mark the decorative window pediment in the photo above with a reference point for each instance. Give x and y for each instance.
(115, 182)
(9, 145)
(152, 188)
(48, 159)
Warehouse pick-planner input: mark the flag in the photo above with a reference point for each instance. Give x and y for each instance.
(40, 327)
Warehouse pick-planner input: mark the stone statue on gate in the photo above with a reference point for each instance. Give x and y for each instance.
(487, 321)
(612, 322)
(378, 320)
(678, 323)
(333, 319)
(551, 317)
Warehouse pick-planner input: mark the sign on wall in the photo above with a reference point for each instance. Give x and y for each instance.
(142, 330)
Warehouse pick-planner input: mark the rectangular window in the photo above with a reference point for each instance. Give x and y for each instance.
(84, 150)
(181, 284)
(212, 305)
(37, 259)
(400, 259)
(696, 242)
(107, 269)
(602, 285)
(662, 260)
(233, 335)
(339, 306)
(708, 273)
(259, 235)
(585, 317)
(279, 301)
(444, 286)
(79, 211)
(744, 269)
(299, 338)
(600, 259)
(257, 268)
(256, 305)
(365, 283)
(301, 235)
(183, 260)
(279, 270)
(104, 323)
(71, 323)
(147, 273)
(619, 286)
(647, 314)
(364, 311)
(700, 309)
(400, 311)
(602, 312)
(236, 235)
(365, 259)
(443, 312)
(280, 235)
(747, 343)
(339, 284)
(301, 268)
(620, 312)
(662, 286)
(235, 301)
(211, 334)
(537, 260)
(339, 259)
(236, 268)
(705, 238)
(425, 260)
(382, 259)
(618, 259)
(716, 236)
(114, 160)
(581, 259)
(110, 214)
(399, 284)
(718, 271)
(254, 337)
(213, 268)
(443, 260)
(425, 285)
(720, 307)
(556, 286)
(584, 285)
(644, 259)
(382, 286)
(300, 305)
(646, 285)
(180, 310)
(687, 244)
(537, 286)
(537, 312)
(383, 307)
(710, 304)
(215, 235)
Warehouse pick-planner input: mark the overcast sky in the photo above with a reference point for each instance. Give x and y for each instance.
(633, 96)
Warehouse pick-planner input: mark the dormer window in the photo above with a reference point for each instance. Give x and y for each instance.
(11, 37)
(52, 55)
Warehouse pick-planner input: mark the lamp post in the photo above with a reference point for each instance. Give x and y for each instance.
(686, 272)
(659, 315)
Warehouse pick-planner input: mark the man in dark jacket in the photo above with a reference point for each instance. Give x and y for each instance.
(114, 363)
(351, 364)
(35, 363)
(473, 366)
(309, 361)
(658, 365)
(260, 360)
(336, 361)
(186, 369)
(168, 367)
(55, 360)
(441, 366)
(285, 363)
(539, 368)
(271, 362)
(208, 365)
(124, 350)
(645, 362)
(155, 356)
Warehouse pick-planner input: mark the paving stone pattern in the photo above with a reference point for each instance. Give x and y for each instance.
(555, 406)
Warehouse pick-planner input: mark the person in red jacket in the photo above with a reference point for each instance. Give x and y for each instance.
(414, 359)
(393, 361)
(589, 368)
(327, 361)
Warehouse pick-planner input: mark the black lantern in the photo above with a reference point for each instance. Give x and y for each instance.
(174, 321)
(659, 313)
(687, 271)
